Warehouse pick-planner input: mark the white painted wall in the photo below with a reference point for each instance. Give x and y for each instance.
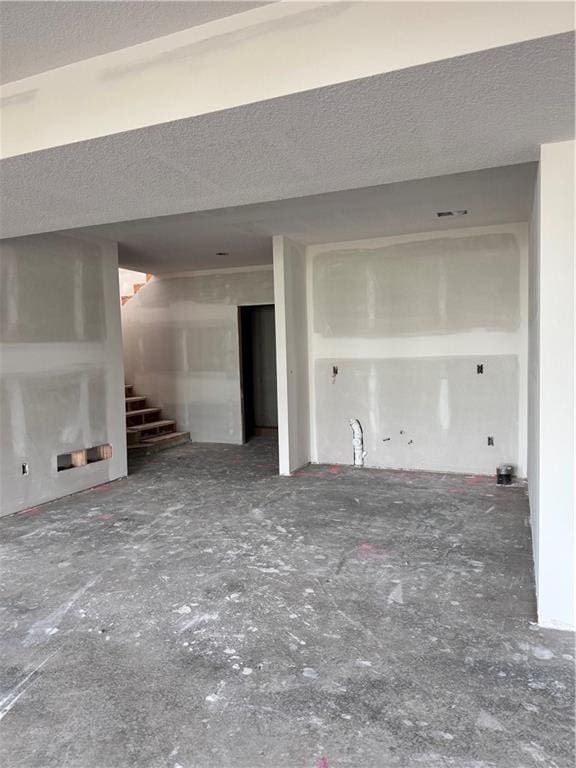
(291, 354)
(533, 471)
(406, 320)
(552, 425)
(249, 57)
(61, 372)
(181, 347)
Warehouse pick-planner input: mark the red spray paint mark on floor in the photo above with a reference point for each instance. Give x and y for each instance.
(101, 488)
(322, 763)
(335, 469)
(475, 479)
(31, 511)
(105, 517)
(368, 548)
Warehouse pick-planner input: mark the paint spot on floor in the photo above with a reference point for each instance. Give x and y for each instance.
(486, 721)
(396, 595)
(309, 672)
(539, 652)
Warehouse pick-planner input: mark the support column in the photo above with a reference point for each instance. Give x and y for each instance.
(291, 354)
(552, 375)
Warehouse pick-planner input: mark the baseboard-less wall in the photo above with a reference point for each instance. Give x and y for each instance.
(61, 367)
(291, 354)
(552, 468)
(397, 329)
(181, 347)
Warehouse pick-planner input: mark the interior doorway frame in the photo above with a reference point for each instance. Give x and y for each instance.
(240, 307)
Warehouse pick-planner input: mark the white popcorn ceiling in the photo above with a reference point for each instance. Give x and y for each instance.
(244, 234)
(479, 111)
(39, 36)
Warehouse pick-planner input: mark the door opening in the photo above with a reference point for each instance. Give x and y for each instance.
(258, 370)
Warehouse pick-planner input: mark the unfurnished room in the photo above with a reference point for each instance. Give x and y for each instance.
(287, 423)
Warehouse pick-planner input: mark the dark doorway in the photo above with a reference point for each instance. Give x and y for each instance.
(258, 370)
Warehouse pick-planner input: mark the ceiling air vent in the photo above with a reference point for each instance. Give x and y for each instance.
(441, 214)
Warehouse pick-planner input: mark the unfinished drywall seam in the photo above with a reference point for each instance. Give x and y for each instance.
(61, 384)
(361, 328)
(221, 271)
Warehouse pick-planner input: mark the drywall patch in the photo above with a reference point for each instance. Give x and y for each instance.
(56, 279)
(59, 412)
(433, 413)
(442, 285)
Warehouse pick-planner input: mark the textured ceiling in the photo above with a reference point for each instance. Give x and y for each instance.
(38, 36)
(484, 110)
(192, 241)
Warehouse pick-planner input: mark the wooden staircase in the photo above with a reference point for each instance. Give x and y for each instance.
(135, 289)
(146, 430)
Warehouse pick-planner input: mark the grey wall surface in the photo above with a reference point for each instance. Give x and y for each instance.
(405, 322)
(420, 413)
(61, 386)
(181, 347)
(416, 288)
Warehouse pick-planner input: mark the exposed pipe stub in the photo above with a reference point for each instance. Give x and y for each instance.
(358, 443)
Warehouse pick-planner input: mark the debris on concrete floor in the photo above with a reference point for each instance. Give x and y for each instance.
(207, 613)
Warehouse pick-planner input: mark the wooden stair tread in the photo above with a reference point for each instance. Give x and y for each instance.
(151, 425)
(142, 412)
(159, 443)
(168, 437)
(151, 436)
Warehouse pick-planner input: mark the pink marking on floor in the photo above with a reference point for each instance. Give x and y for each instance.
(30, 511)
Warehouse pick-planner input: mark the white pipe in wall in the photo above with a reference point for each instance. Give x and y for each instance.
(358, 443)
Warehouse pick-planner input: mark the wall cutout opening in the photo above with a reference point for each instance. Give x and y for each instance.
(83, 457)
(25, 469)
(442, 214)
(480, 368)
(490, 440)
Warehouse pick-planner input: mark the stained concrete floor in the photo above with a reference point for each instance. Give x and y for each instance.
(206, 613)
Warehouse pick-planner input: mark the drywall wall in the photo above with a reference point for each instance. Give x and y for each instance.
(181, 347)
(397, 329)
(61, 366)
(420, 413)
(533, 436)
(291, 354)
(552, 477)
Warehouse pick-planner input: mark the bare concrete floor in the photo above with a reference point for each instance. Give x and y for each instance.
(205, 613)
